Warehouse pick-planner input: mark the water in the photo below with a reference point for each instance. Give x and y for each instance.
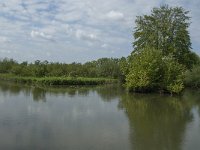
(96, 118)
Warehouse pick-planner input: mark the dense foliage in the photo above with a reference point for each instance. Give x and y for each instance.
(161, 53)
(166, 29)
(57, 80)
(104, 67)
(150, 71)
(192, 78)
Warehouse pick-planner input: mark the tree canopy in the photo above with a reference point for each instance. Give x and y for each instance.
(165, 29)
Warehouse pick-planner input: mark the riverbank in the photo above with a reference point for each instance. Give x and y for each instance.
(51, 81)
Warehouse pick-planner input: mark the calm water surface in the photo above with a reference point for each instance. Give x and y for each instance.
(96, 118)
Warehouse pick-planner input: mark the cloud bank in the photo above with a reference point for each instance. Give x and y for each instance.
(68, 30)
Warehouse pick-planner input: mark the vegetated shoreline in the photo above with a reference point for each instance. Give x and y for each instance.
(57, 81)
(45, 82)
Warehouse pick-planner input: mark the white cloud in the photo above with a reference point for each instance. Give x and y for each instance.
(115, 15)
(104, 45)
(5, 51)
(4, 39)
(80, 34)
(36, 34)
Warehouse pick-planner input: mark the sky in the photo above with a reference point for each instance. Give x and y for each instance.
(78, 30)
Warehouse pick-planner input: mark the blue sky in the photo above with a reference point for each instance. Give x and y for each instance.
(77, 30)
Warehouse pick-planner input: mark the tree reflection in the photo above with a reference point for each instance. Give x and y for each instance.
(156, 122)
(193, 96)
(109, 92)
(39, 94)
(83, 91)
(13, 89)
(9, 87)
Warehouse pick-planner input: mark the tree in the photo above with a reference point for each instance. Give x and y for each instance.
(161, 53)
(150, 71)
(166, 29)
(192, 78)
(123, 64)
(144, 70)
(173, 75)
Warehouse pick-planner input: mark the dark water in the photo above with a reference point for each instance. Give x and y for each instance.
(96, 118)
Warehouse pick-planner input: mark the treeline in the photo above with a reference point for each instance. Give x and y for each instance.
(104, 67)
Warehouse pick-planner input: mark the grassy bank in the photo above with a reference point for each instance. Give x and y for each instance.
(57, 80)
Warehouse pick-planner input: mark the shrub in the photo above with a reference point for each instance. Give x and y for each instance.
(173, 75)
(192, 78)
(150, 71)
(145, 70)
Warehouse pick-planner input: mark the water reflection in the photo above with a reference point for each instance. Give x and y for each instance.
(103, 117)
(193, 96)
(39, 94)
(157, 122)
(107, 93)
(70, 118)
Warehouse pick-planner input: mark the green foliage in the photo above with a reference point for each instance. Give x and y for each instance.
(104, 67)
(192, 78)
(161, 53)
(144, 70)
(123, 64)
(173, 75)
(176, 87)
(57, 80)
(165, 29)
(192, 59)
(6, 65)
(149, 71)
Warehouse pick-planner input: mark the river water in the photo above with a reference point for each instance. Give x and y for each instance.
(96, 118)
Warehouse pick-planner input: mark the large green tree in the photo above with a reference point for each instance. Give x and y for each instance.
(165, 29)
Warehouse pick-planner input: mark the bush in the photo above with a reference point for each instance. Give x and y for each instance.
(150, 71)
(145, 70)
(173, 75)
(192, 78)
